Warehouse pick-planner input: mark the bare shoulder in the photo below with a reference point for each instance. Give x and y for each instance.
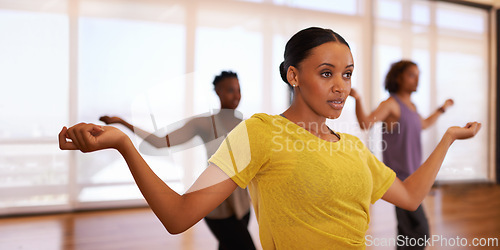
(391, 101)
(391, 105)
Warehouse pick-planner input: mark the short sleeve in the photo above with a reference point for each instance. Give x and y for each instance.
(244, 151)
(382, 176)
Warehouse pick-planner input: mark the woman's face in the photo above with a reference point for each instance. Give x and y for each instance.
(408, 80)
(324, 79)
(228, 90)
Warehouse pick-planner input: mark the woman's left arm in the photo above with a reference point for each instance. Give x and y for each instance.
(427, 122)
(410, 193)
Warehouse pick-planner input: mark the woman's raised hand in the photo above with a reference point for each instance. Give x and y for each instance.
(466, 132)
(354, 94)
(88, 137)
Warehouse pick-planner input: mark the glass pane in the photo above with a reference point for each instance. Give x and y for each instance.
(33, 175)
(422, 98)
(233, 49)
(348, 7)
(385, 55)
(34, 79)
(123, 59)
(132, 69)
(389, 9)
(452, 16)
(471, 104)
(420, 14)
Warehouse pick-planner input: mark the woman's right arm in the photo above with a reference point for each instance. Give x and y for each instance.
(179, 136)
(176, 212)
(381, 113)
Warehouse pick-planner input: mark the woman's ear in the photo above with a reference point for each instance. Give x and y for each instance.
(292, 76)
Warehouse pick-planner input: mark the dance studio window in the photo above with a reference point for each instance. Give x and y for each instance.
(349, 7)
(449, 42)
(33, 104)
(130, 59)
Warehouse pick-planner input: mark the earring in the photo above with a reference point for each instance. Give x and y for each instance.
(293, 85)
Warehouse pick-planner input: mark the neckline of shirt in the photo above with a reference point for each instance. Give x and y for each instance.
(281, 116)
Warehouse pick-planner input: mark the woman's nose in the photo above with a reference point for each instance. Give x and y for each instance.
(339, 84)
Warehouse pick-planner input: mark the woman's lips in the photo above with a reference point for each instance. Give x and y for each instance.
(337, 104)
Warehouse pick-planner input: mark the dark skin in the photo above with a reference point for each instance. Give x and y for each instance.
(322, 84)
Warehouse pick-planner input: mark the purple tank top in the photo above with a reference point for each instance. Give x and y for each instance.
(403, 151)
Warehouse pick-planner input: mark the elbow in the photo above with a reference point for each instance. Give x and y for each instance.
(177, 224)
(175, 229)
(411, 205)
(364, 126)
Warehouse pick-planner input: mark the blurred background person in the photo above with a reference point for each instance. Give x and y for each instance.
(229, 221)
(401, 129)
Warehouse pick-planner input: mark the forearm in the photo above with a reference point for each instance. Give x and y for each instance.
(431, 119)
(420, 182)
(363, 121)
(167, 205)
(410, 193)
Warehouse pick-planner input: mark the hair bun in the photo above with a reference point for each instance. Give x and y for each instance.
(283, 72)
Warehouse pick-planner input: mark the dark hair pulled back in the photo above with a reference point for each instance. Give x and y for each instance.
(300, 45)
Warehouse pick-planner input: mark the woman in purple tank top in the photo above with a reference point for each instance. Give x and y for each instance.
(402, 126)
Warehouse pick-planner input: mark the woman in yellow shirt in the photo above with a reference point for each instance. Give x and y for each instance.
(310, 186)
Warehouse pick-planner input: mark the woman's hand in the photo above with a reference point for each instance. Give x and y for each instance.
(354, 94)
(448, 103)
(466, 132)
(88, 137)
(110, 119)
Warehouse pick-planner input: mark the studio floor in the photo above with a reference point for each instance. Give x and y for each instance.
(456, 213)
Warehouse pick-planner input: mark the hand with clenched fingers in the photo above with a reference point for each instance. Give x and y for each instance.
(88, 137)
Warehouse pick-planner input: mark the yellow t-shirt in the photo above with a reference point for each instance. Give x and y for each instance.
(307, 193)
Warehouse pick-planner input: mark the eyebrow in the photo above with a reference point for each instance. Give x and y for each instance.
(333, 66)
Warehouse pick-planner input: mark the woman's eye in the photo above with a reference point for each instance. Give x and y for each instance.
(348, 75)
(326, 74)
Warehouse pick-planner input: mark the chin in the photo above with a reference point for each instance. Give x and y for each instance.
(334, 116)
